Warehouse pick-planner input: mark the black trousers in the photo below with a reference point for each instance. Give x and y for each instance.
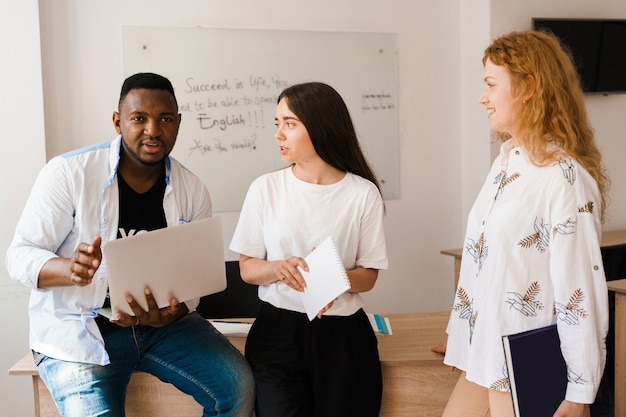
(322, 368)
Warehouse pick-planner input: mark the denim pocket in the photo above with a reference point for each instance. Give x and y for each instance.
(38, 357)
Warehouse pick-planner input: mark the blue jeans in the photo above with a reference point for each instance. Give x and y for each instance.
(189, 353)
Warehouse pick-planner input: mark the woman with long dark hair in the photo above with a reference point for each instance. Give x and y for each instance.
(328, 366)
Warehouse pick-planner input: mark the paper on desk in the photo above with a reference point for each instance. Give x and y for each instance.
(229, 328)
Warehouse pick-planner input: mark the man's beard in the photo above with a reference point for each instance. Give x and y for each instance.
(138, 158)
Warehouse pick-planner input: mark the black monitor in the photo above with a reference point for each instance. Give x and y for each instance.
(598, 47)
(239, 300)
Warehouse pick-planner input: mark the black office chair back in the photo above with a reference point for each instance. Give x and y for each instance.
(240, 299)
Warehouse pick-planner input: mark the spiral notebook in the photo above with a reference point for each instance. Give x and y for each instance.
(326, 279)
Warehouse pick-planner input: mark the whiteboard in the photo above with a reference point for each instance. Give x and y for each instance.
(227, 82)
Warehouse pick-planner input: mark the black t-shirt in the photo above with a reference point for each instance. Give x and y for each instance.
(140, 212)
(137, 212)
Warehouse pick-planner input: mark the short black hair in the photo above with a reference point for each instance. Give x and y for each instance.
(148, 80)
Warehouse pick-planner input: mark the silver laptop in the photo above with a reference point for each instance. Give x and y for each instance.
(185, 261)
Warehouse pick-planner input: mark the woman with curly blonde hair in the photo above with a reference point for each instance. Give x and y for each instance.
(556, 114)
(532, 245)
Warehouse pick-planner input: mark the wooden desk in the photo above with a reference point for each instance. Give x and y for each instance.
(609, 238)
(416, 383)
(456, 254)
(613, 238)
(619, 287)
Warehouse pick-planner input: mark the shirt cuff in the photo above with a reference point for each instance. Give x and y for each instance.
(581, 393)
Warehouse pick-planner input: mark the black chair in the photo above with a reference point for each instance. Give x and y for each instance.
(238, 300)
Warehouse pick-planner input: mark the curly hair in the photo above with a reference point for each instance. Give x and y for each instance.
(550, 102)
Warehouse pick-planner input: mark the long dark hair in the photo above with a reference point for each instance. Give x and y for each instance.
(327, 119)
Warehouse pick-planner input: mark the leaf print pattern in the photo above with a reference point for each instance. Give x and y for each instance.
(574, 304)
(526, 304)
(464, 301)
(478, 250)
(465, 309)
(532, 291)
(529, 241)
(501, 384)
(540, 239)
(507, 180)
(587, 208)
(504, 180)
(472, 324)
(573, 311)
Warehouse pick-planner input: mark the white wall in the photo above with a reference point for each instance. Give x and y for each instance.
(475, 136)
(23, 153)
(83, 70)
(444, 136)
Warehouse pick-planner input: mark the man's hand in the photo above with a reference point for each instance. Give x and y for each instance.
(85, 261)
(155, 316)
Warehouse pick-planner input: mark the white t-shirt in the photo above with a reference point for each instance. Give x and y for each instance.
(283, 216)
(531, 258)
